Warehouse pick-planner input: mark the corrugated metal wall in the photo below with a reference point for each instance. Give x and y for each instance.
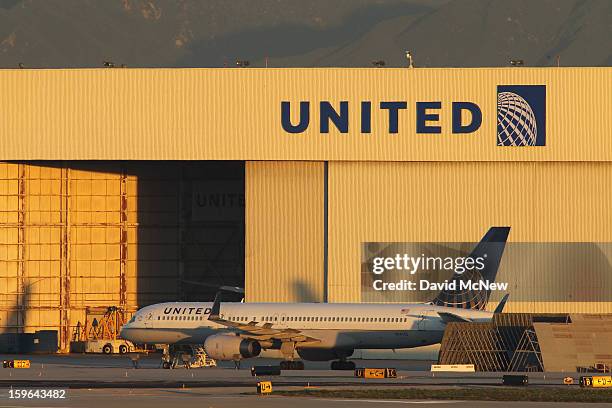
(284, 231)
(458, 202)
(81, 234)
(235, 114)
(61, 247)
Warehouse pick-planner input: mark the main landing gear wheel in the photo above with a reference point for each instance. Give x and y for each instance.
(292, 365)
(342, 365)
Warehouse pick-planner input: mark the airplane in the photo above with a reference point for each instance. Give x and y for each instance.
(320, 331)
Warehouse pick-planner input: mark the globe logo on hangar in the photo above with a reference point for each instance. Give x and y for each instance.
(521, 115)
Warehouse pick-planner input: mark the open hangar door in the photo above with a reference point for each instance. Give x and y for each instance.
(78, 235)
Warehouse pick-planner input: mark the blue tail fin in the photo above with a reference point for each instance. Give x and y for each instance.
(490, 248)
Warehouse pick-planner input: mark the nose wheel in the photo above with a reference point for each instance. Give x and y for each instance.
(343, 365)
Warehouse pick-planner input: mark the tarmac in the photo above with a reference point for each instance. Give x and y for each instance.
(101, 381)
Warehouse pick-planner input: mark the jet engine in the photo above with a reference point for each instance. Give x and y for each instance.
(231, 347)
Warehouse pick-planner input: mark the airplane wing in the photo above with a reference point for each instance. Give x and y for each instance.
(255, 332)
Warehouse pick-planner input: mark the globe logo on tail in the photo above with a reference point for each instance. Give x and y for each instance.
(521, 115)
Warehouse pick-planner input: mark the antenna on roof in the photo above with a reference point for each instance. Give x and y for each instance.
(410, 59)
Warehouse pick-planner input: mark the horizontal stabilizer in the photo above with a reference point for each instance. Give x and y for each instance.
(448, 317)
(501, 304)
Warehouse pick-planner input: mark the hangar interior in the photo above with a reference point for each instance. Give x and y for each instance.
(78, 235)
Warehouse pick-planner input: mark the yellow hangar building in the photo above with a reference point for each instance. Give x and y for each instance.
(126, 187)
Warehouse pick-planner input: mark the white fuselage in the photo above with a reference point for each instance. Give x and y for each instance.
(334, 325)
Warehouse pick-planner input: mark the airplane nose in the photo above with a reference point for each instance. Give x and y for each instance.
(124, 333)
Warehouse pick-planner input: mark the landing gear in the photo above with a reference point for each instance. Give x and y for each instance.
(287, 348)
(188, 356)
(343, 365)
(291, 365)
